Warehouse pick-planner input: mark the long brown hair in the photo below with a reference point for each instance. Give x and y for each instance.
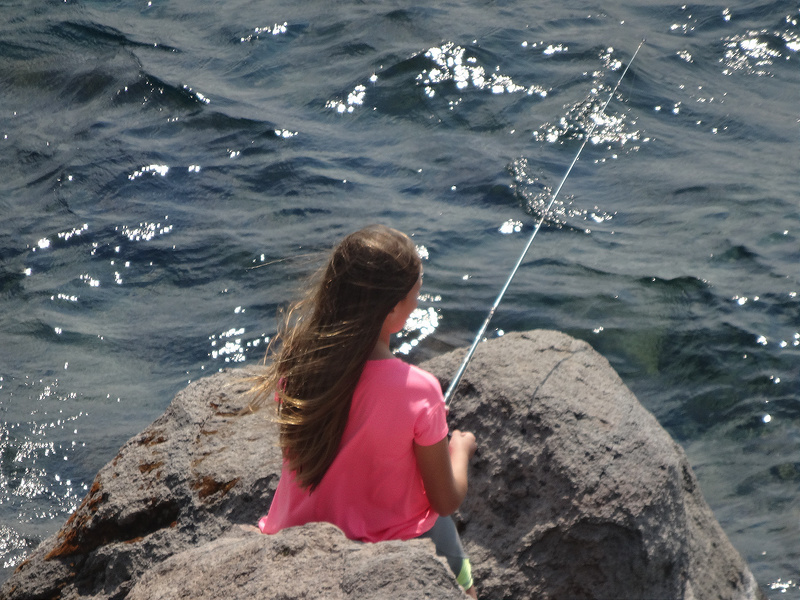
(326, 339)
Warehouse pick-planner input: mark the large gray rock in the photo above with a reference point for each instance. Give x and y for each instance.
(313, 562)
(180, 483)
(576, 492)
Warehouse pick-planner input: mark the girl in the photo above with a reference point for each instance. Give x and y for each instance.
(363, 434)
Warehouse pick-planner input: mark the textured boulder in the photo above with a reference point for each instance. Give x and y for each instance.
(312, 562)
(182, 482)
(576, 492)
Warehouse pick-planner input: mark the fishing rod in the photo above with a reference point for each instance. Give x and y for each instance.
(448, 396)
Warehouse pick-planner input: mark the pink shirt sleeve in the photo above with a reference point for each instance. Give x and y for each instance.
(431, 424)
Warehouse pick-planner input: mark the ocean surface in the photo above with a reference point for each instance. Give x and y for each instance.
(171, 170)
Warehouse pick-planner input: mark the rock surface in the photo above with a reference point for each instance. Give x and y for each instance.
(240, 565)
(576, 492)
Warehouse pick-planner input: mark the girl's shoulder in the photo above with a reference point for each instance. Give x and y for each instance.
(396, 365)
(423, 374)
(402, 373)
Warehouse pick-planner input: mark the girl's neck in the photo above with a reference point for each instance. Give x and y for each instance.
(381, 351)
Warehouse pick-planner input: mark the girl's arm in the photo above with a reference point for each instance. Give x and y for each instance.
(444, 470)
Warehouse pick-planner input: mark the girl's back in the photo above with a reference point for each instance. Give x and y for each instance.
(373, 490)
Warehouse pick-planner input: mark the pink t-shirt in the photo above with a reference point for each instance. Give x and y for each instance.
(373, 490)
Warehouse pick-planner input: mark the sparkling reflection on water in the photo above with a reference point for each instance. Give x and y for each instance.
(149, 169)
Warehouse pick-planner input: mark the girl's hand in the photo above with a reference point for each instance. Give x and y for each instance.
(463, 441)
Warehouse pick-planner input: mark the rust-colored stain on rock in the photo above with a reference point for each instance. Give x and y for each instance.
(72, 534)
(148, 467)
(207, 486)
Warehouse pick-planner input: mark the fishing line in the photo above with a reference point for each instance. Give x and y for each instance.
(448, 397)
(285, 259)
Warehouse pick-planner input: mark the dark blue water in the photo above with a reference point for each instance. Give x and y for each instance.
(171, 169)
